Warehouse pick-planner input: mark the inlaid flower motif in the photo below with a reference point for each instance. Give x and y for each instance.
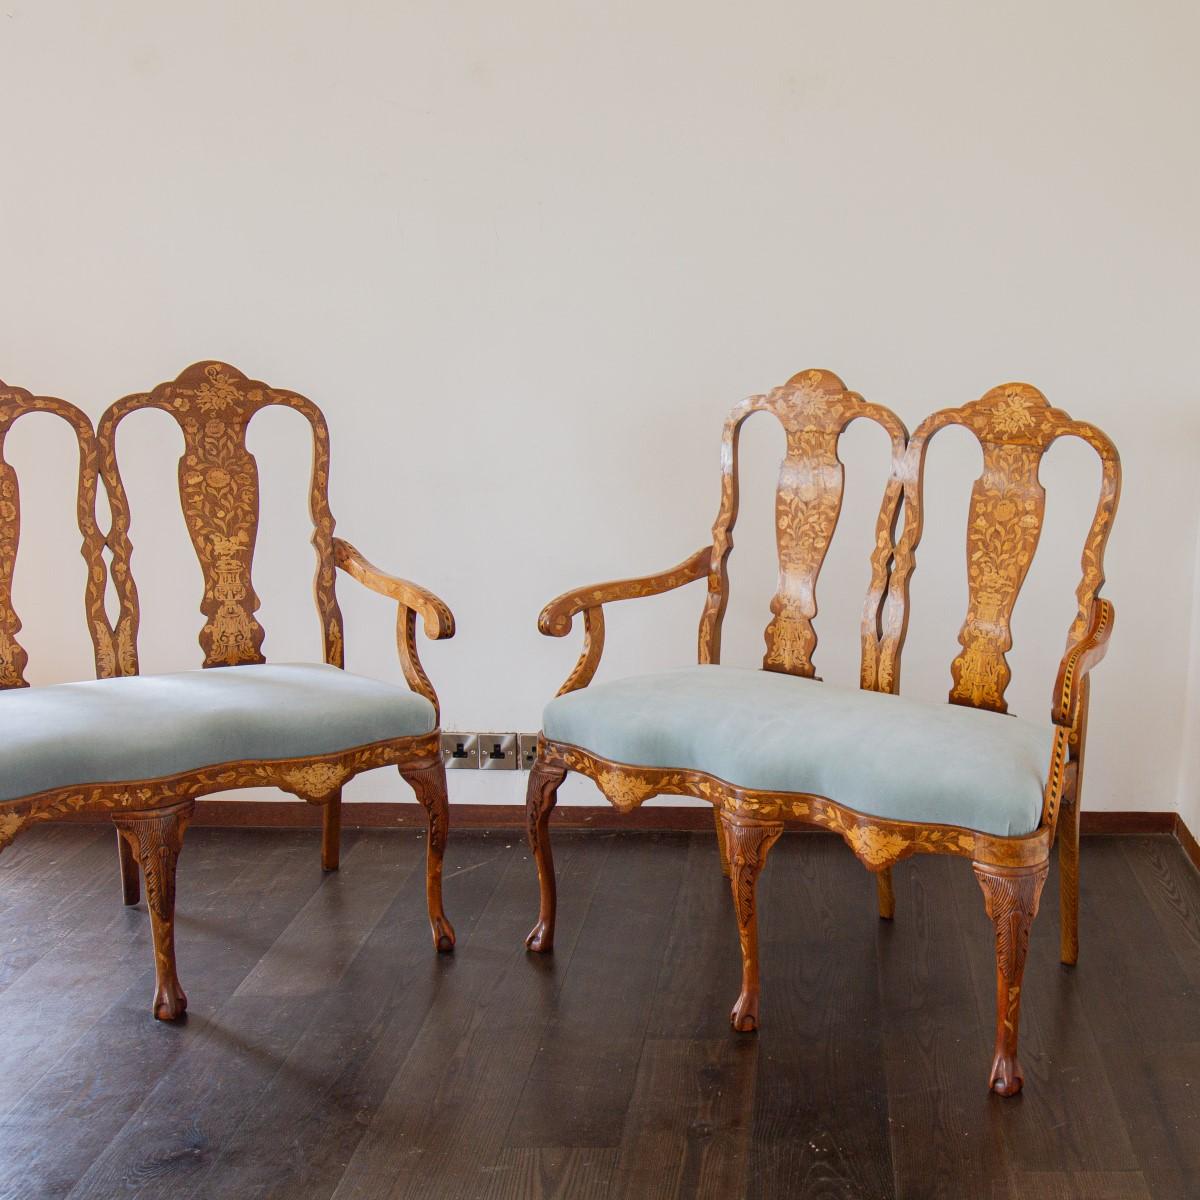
(217, 392)
(317, 779)
(624, 791)
(10, 825)
(1013, 414)
(875, 846)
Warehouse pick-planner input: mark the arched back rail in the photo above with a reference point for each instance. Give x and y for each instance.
(1015, 426)
(814, 408)
(14, 404)
(219, 492)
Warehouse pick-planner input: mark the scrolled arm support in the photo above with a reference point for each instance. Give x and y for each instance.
(413, 601)
(1078, 661)
(439, 620)
(559, 615)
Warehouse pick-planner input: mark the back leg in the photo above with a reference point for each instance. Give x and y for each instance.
(722, 846)
(1068, 882)
(887, 896)
(131, 880)
(1068, 841)
(331, 831)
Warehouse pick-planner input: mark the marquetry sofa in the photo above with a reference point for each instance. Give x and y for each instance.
(893, 776)
(145, 746)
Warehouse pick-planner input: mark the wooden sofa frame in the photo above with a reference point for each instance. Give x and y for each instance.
(1014, 425)
(213, 404)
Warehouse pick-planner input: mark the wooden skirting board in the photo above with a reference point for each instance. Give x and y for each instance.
(293, 814)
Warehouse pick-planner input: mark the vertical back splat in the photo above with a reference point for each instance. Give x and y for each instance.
(218, 489)
(15, 403)
(814, 409)
(1015, 426)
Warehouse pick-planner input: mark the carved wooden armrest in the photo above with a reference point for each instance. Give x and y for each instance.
(559, 615)
(412, 600)
(1079, 660)
(439, 621)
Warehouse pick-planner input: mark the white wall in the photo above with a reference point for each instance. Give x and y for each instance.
(526, 256)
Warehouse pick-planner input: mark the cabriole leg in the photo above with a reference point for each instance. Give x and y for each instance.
(887, 895)
(331, 831)
(540, 799)
(429, 783)
(155, 838)
(748, 843)
(1011, 895)
(722, 848)
(131, 880)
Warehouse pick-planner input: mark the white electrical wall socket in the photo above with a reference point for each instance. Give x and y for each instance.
(497, 751)
(460, 751)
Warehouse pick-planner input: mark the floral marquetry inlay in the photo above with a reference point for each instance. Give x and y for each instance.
(814, 408)
(293, 774)
(219, 491)
(1015, 425)
(15, 403)
(314, 781)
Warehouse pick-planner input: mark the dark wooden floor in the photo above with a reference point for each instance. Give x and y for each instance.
(329, 1053)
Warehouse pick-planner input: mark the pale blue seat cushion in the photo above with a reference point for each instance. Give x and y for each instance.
(146, 726)
(889, 756)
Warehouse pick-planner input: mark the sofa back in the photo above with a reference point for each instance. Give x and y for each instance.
(14, 404)
(218, 489)
(1015, 426)
(814, 408)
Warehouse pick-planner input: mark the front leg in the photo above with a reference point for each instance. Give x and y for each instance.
(748, 843)
(540, 799)
(429, 783)
(1011, 895)
(155, 838)
(131, 881)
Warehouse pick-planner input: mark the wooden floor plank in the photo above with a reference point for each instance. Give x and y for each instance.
(1144, 1012)
(539, 1173)
(118, 1054)
(339, 1071)
(230, 1045)
(583, 1075)
(945, 1129)
(329, 1052)
(689, 1122)
(468, 1056)
(1171, 886)
(820, 1118)
(1080, 1185)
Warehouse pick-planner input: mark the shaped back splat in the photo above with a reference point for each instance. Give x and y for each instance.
(1015, 426)
(218, 489)
(14, 404)
(814, 409)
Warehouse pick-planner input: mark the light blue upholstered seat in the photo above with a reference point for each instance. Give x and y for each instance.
(889, 756)
(146, 726)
